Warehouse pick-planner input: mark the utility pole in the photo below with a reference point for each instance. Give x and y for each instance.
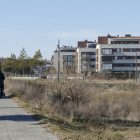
(136, 69)
(58, 59)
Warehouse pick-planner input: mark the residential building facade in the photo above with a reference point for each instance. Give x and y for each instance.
(118, 55)
(110, 53)
(67, 58)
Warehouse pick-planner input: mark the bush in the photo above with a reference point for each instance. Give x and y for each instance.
(80, 100)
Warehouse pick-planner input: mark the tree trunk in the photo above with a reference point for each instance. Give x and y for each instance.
(23, 73)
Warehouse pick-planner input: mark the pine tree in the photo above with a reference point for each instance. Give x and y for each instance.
(37, 60)
(23, 59)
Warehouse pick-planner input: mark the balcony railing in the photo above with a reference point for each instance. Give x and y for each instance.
(92, 56)
(92, 69)
(73, 59)
(92, 62)
(86, 56)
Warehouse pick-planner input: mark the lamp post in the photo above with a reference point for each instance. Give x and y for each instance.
(58, 59)
(100, 70)
(136, 69)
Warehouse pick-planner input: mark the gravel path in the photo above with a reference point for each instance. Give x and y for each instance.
(16, 124)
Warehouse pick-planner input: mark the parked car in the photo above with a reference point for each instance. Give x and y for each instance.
(49, 77)
(43, 77)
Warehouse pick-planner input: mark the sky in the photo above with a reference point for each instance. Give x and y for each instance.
(38, 24)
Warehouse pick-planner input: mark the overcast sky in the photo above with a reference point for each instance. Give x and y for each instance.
(38, 24)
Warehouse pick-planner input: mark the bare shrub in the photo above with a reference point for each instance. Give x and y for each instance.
(79, 99)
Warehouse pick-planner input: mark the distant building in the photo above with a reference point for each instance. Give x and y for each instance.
(110, 53)
(3, 59)
(81, 58)
(48, 63)
(118, 54)
(42, 69)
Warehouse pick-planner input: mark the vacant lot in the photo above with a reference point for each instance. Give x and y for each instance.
(86, 110)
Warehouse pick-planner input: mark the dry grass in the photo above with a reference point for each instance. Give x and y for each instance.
(81, 99)
(113, 80)
(93, 110)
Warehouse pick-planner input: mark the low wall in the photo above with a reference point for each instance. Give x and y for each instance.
(23, 78)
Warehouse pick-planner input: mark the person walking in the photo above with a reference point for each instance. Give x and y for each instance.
(2, 78)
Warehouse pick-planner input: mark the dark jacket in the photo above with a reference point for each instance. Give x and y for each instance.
(1, 79)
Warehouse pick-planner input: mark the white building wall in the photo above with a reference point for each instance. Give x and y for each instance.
(119, 46)
(99, 58)
(79, 50)
(121, 69)
(55, 60)
(122, 39)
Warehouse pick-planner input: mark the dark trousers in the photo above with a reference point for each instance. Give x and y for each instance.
(1, 90)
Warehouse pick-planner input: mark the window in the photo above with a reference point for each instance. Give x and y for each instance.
(64, 63)
(124, 57)
(118, 65)
(107, 58)
(84, 62)
(69, 63)
(118, 50)
(64, 57)
(88, 53)
(106, 51)
(106, 66)
(69, 57)
(116, 57)
(83, 67)
(125, 42)
(132, 50)
(85, 54)
(131, 65)
(91, 46)
(68, 51)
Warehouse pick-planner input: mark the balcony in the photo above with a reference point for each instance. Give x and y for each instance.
(92, 62)
(92, 69)
(92, 56)
(86, 63)
(87, 56)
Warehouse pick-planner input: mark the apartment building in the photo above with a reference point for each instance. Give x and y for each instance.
(118, 54)
(110, 53)
(85, 56)
(67, 58)
(79, 59)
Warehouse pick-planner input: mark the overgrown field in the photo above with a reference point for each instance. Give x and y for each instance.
(111, 106)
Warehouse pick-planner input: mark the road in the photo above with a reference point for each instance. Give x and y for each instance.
(16, 124)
